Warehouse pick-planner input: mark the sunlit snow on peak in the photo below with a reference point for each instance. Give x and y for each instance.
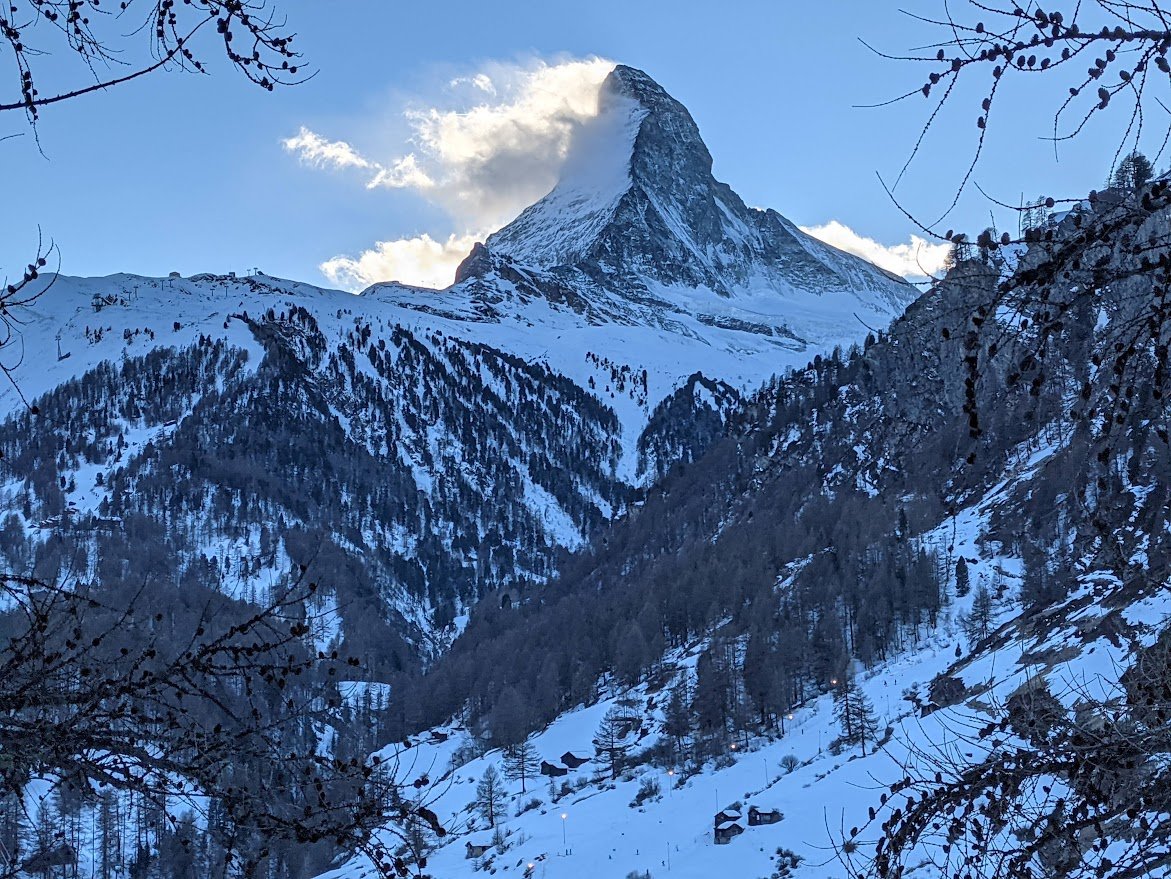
(595, 175)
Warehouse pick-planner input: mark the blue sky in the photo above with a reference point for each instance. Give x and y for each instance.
(190, 173)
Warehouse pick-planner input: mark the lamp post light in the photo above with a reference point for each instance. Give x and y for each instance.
(670, 782)
(564, 844)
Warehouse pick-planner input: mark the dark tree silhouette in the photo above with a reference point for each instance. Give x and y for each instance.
(521, 763)
(116, 45)
(610, 741)
(1051, 792)
(1133, 172)
(855, 715)
(105, 691)
(963, 583)
(1111, 55)
(490, 795)
(1040, 789)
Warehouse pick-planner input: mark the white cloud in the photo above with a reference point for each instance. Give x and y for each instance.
(481, 164)
(314, 149)
(482, 81)
(421, 261)
(494, 159)
(403, 174)
(915, 259)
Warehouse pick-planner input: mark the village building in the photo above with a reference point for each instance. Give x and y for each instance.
(552, 769)
(727, 831)
(572, 760)
(476, 851)
(756, 816)
(726, 815)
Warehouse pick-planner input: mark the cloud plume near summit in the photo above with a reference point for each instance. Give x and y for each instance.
(495, 149)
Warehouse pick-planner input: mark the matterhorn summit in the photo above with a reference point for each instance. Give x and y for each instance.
(638, 233)
(638, 209)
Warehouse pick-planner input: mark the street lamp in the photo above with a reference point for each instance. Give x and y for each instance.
(670, 782)
(564, 844)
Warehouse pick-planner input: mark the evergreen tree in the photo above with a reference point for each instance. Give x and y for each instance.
(521, 763)
(489, 795)
(1034, 215)
(509, 718)
(760, 673)
(854, 714)
(962, 582)
(631, 655)
(1133, 172)
(610, 741)
(677, 715)
(978, 623)
(712, 702)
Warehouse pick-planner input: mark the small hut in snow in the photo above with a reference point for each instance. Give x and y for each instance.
(476, 851)
(726, 815)
(756, 816)
(552, 769)
(727, 831)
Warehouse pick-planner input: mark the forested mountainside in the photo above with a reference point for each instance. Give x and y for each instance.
(935, 565)
(418, 450)
(234, 473)
(799, 535)
(825, 480)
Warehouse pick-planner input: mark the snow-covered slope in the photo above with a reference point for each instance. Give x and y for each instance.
(658, 817)
(587, 824)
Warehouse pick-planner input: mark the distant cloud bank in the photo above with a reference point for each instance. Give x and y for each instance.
(421, 261)
(916, 259)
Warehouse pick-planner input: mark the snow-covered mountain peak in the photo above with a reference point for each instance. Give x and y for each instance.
(560, 228)
(637, 212)
(642, 139)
